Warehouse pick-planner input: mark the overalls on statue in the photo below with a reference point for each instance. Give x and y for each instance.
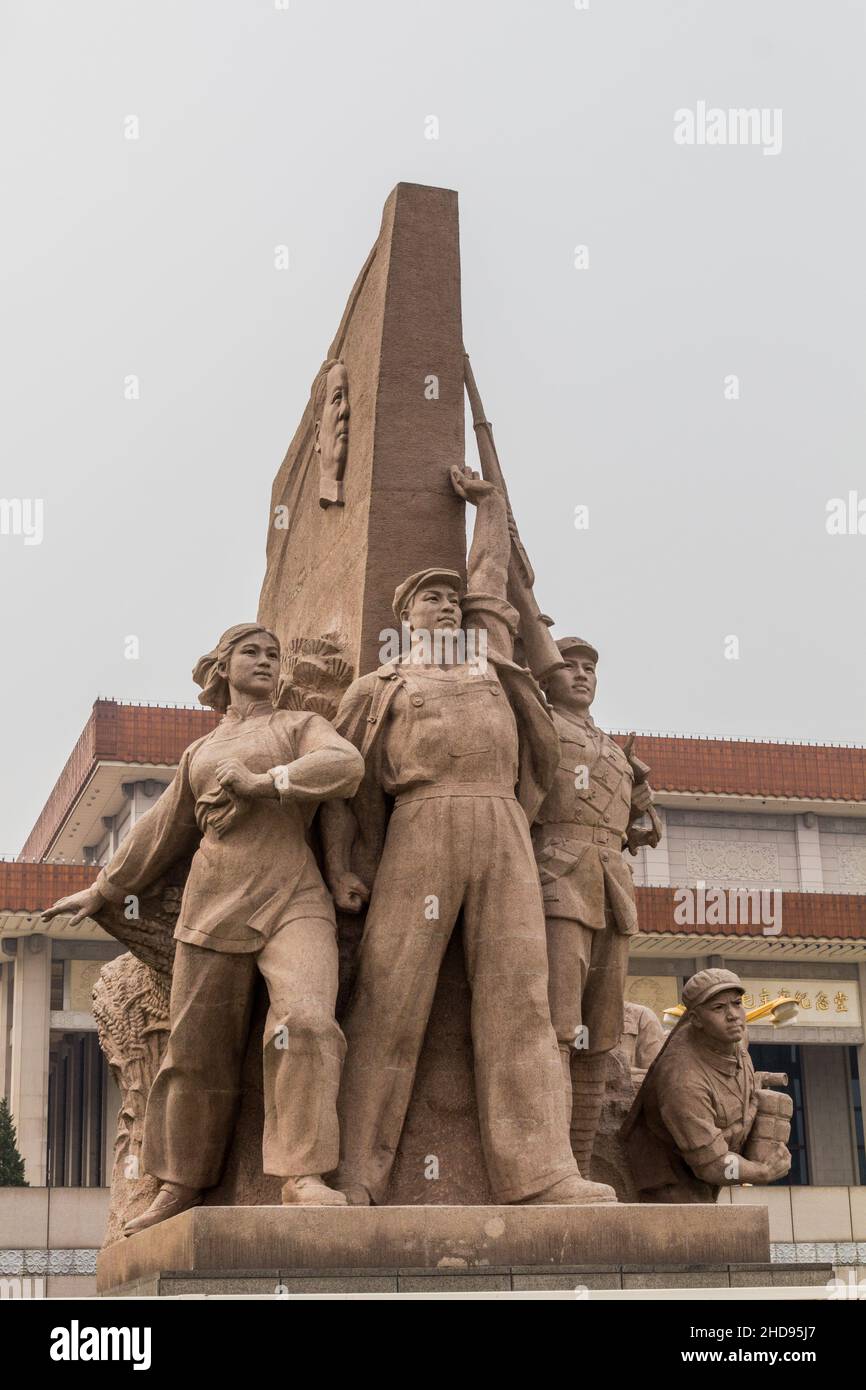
(457, 838)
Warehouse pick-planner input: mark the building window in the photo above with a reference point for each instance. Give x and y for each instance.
(786, 1058)
(857, 1109)
(57, 979)
(76, 1111)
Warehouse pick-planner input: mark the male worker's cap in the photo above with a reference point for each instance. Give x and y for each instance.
(567, 645)
(708, 983)
(404, 592)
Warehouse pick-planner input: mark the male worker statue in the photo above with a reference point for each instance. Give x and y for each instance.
(449, 740)
(579, 834)
(691, 1129)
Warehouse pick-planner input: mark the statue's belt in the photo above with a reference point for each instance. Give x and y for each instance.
(497, 789)
(564, 831)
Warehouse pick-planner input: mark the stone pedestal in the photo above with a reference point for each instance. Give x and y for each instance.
(437, 1248)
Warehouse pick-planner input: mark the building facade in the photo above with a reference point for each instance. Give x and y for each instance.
(762, 869)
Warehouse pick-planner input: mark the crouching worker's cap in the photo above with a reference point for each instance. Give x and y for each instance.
(707, 983)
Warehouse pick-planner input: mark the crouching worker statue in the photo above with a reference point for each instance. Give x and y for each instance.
(254, 903)
(703, 1118)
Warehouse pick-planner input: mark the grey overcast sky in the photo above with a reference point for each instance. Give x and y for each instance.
(261, 126)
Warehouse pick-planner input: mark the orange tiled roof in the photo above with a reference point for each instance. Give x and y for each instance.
(803, 915)
(801, 771)
(33, 887)
(116, 733)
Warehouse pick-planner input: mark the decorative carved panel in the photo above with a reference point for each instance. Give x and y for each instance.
(732, 861)
(852, 866)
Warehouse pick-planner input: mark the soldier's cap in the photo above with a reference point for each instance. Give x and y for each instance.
(708, 983)
(576, 644)
(405, 591)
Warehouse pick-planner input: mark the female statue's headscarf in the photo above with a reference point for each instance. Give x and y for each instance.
(215, 694)
(215, 687)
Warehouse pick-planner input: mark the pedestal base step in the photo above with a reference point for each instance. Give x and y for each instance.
(270, 1246)
(579, 1282)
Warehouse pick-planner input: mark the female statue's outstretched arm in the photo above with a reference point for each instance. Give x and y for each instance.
(164, 834)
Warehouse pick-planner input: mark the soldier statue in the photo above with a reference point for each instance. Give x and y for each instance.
(588, 817)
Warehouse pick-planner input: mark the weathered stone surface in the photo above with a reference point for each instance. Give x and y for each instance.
(462, 1240)
(334, 570)
(442, 1120)
(609, 1158)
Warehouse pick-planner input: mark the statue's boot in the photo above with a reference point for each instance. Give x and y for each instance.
(170, 1200)
(356, 1194)
(310, 1191)
(588, 1072)
(573, 1191)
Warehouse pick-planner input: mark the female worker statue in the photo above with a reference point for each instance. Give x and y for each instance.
(242, 799)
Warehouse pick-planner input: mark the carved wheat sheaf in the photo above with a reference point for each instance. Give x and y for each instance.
(130, 1006)
(314, 676)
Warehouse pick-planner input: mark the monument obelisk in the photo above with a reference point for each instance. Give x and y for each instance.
(332, 570)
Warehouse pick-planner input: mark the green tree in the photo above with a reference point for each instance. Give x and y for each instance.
(11, 1162)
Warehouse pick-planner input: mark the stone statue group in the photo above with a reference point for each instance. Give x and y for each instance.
(444, 787)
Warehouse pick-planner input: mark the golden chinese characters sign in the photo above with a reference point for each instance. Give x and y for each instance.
(822, 1003)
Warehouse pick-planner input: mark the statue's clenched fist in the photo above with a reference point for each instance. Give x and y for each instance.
(237, 778)
(470, 485)
(350, 892)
